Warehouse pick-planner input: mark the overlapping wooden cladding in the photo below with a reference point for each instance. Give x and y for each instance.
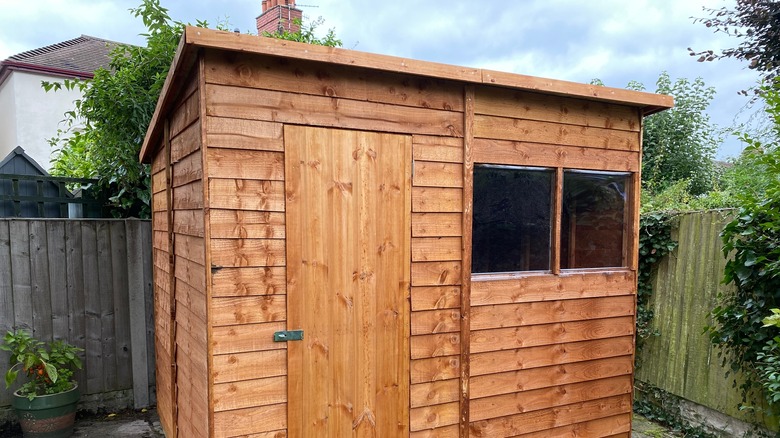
(179, 260)
(548, 354)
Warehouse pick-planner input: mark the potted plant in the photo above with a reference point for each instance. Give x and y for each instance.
(46, 402)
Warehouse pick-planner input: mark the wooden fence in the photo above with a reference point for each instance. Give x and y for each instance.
(681, 360)
(88, 282)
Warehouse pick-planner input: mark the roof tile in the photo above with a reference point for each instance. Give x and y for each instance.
(84, 54)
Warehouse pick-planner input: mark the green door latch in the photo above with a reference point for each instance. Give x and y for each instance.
(288, 335)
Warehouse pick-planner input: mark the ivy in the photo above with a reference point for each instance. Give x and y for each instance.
(661, 407)
(751, 242)
(655, 242)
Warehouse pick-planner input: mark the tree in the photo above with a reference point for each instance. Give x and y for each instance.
(118, 105)
(116, 108)
(757, 23)
(679, 144)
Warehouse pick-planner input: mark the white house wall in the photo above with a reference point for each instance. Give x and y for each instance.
(38, 115)
(7, 117)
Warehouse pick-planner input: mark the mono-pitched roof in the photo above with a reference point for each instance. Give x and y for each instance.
(78, 57)
(195, 38)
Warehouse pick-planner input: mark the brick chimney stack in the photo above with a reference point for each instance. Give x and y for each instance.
(278, 16)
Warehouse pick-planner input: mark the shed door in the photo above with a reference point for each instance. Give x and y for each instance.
(348, 273)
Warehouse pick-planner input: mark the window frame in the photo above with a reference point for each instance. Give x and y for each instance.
(630, 224)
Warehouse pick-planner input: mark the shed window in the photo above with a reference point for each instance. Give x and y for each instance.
(516, 226)
(512, 212)
(593, 219)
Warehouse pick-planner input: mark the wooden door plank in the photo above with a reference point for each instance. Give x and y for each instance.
(343, 247)
(295, 313)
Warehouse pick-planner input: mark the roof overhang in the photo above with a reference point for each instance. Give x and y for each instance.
(7, 66)
(195, 38)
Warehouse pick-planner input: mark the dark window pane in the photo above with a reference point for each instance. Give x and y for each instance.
(511, 228)
(593, 220)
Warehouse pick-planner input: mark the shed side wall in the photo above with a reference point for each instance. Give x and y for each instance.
(553, 354)
(162, 289)
(180, 280)
(249, 99)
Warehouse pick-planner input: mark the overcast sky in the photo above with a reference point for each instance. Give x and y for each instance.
(614, 40)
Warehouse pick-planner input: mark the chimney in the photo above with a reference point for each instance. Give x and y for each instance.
(278, 16)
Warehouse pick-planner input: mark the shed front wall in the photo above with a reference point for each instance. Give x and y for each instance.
(542, 354)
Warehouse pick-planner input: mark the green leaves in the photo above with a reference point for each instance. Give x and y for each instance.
(679, 144)
(655, 242)
(10, 377)
(117, 106)
(48, 366)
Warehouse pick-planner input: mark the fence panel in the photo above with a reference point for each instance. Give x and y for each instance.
(87, 282)
(681, 360)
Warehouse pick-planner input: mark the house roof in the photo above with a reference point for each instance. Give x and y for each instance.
(195, 38)
(78, 57)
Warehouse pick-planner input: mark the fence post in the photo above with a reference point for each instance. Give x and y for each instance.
(135, 278)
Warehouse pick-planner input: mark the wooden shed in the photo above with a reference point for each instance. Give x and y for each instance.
(350, 244)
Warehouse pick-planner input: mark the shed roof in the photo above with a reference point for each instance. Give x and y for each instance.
(18, 162)
(195, 37)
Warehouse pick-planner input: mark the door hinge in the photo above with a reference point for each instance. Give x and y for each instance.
(288, 335)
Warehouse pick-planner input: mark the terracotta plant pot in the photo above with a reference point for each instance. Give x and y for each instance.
(47, 416)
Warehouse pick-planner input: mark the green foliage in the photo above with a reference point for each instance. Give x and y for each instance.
(680, 143)
(662, 407)
(307, 34)
(655, 242)
(768, 363)
(752, 243)
(118, 105)
(116, 108)
(48, 366)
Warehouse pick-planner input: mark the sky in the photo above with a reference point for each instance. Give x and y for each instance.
(616, 41)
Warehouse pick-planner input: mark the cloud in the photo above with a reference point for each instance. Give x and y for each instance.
(614, 40)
